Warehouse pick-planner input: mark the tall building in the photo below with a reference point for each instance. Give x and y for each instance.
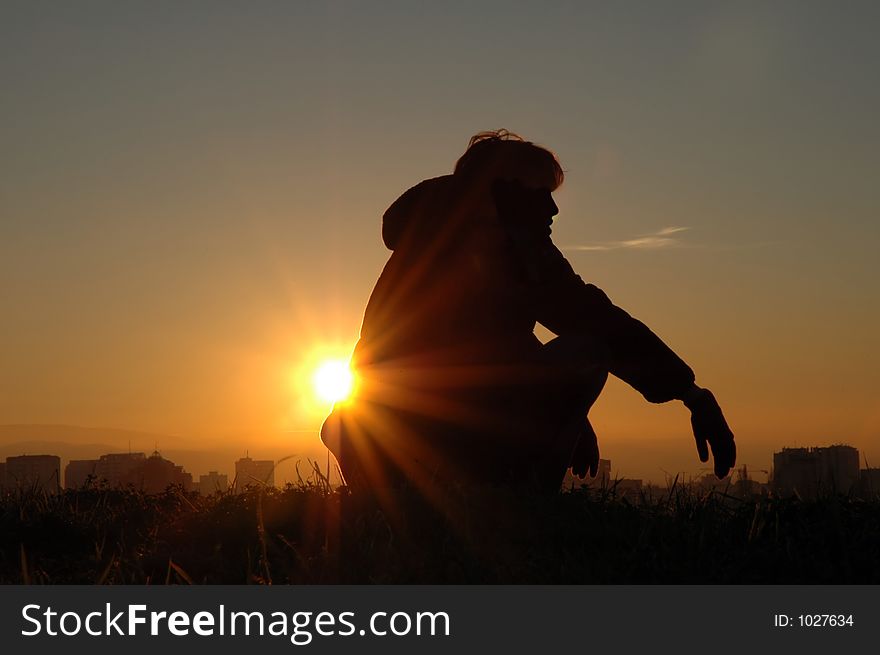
(603, 473)
(77, 472)
(42, 472)
(869, 483)
(254, 472)
(115, 467)
(212, 483)
(2, 475)
(155, 474)
(810, 472)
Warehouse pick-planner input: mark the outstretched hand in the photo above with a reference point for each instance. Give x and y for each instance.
(711, 430)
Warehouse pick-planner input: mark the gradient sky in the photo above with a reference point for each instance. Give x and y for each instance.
(191, 193)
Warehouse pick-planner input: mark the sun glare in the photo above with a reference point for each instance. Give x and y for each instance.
(333, 380)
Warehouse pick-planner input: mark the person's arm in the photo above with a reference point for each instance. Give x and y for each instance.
(638, 356)
(567, 305)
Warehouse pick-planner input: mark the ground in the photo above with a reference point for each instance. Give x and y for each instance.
(312, 534)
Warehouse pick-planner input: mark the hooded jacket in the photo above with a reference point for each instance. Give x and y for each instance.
(465, 289)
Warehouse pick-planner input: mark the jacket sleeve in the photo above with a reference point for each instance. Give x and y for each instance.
(567, 305)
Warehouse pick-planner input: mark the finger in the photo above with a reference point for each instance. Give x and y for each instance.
(724, 453)
(700, 437)
(590, 450)
(725, 458)
(721, 468)
(579, 460)
(699, 428)
(702, 447)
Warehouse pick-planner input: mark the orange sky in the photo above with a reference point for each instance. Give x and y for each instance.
(190, 216)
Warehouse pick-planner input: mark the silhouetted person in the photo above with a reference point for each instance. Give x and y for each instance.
(453, 383)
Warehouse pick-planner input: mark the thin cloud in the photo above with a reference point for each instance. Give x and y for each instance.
(664, 238)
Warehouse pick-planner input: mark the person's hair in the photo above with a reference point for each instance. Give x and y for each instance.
(503, 154)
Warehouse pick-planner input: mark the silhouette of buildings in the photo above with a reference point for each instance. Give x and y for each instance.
(212, 483)
(115, 467)
(810, 472)
(77, 472)
(708, 482)
(603, 474)
(627, 487)
(738, 484)
(746, 487)
(869, 483)
(253, 472)
(39, 472)
(155, 474)
(111, 469)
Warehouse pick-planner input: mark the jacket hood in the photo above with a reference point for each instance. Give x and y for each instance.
(418, 214)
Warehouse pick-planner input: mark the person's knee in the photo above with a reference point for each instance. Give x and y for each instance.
(587, 357)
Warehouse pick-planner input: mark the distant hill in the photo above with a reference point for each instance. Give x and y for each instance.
(75, 434)
(66, 451)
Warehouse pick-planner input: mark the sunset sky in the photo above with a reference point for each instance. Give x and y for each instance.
(191, 196)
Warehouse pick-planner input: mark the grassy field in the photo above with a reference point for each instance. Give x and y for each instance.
(311, 534)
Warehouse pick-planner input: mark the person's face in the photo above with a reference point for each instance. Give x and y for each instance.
(525, 204)
(538, 187)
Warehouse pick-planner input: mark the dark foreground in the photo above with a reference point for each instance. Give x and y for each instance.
(310, 534)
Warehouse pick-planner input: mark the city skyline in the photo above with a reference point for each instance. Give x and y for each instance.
(84, 443)
(805, 470)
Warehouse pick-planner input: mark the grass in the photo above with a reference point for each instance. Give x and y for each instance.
(311, 534)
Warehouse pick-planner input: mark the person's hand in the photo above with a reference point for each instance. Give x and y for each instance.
(711, 430)
(586, 454)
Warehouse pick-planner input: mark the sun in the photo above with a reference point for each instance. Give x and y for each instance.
(333, 380)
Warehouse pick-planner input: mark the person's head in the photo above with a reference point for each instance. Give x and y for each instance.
(503, 155)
